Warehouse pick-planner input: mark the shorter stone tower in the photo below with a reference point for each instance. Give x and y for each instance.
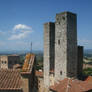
(80, 61)
(49, 48)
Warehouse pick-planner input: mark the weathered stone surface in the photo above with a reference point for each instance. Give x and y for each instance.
(49, 38)
(65, 45)
(60, 48)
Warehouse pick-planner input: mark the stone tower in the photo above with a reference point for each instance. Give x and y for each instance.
(80, 61)
(65, 45)
(49, 51)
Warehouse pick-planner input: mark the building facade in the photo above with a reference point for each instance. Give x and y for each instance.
(9, 61)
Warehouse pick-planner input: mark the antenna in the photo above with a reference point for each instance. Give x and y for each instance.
(31, 47)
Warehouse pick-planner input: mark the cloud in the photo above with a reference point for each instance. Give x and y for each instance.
(21, 26)
(84, 41)
(20, 31)
(20, 35)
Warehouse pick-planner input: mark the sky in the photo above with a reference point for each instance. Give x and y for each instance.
(21, 22)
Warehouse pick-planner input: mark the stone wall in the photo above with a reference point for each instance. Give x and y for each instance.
(40, 84)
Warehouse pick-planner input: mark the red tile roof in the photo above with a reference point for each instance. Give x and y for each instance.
(52, 71)
(10, 80)
(39, 73)
(17, 66)
(28, 63)
(71, 85)
(89, 79)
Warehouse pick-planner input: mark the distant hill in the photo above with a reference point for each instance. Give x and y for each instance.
(88, 52)
(22, 52)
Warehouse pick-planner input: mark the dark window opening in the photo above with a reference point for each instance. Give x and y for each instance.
(63, 18)
(57, 19)
(60, 72)
(5, 62)
(58, 42)
(58, 22)
(2, 62)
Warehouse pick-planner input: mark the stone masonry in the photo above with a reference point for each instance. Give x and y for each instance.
(65, 46)
(49, 38)
(62, 56)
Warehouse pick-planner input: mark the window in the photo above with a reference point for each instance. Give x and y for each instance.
(5, 62)
(57, 19)
(59, 23)
(58, 42)
(63, 18)
(60, 72)
(2, 62)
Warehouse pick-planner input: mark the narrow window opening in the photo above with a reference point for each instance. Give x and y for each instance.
(63, 18)
(60, 72)
(2, 62)
(58, 42)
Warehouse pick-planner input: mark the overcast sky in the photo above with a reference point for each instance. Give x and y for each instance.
(21, 21)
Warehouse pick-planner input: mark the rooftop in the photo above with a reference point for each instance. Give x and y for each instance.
(10, 80)
(89, 79)
(39, 73)
(72, 85)
(28, 63)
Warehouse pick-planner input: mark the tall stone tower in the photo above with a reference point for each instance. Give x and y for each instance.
(49, 51)
(65, 46)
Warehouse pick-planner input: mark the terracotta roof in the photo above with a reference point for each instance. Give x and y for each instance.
(16, 66)
(10, 80)
(51, 71)
(71, 85)
(28, 63)
(39, 73)
(89, 79)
